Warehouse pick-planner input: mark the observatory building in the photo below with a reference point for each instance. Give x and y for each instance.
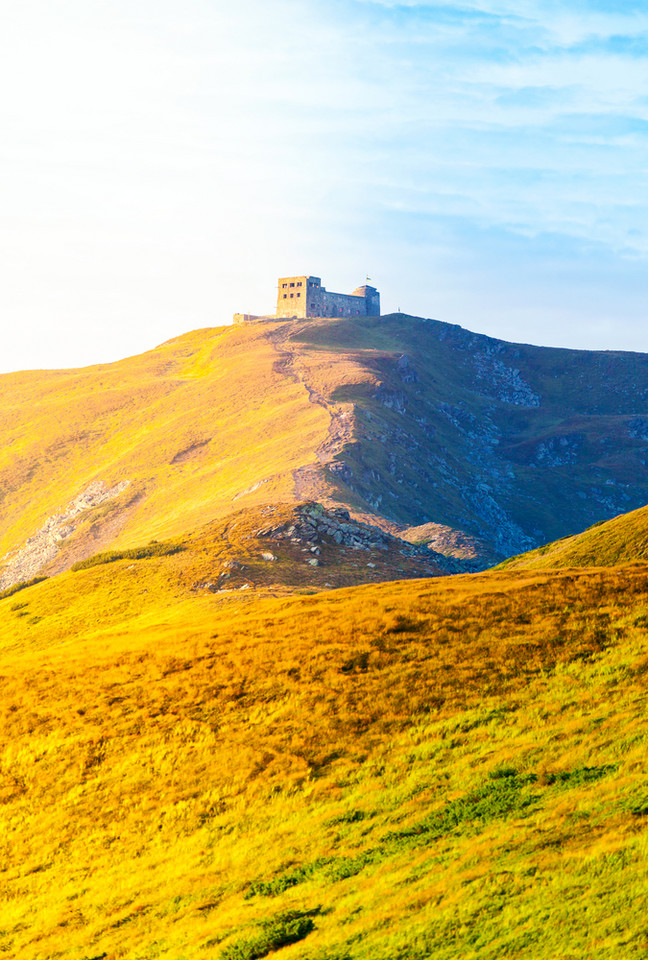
(306, 297)
(300, 297)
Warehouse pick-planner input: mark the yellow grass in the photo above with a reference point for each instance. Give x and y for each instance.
(425, 769)
(398, 771)
(620, 540)
(193, 425)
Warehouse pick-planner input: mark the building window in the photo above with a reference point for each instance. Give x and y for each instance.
(285, 294)
(299, 294)
(299, 284)
(292, 284)
(292, 295)
(284, 285)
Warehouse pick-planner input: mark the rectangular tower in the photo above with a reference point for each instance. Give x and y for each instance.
(371, 298)
(292, 298)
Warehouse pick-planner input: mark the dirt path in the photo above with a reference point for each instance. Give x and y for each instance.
(309, 483)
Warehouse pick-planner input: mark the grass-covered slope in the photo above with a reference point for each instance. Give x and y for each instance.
(512, 443)
(432, 769)
(400, 419)
(269, 550)
(196, 429)
(623, 539)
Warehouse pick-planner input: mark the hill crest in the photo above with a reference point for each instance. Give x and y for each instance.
(401, 421)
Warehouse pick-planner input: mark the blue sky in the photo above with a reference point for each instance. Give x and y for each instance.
(485, 163)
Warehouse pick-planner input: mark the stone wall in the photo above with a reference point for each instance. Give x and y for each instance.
(321, 303)
(251, 317)
(371, 298)
(292, 296)
(306, 297)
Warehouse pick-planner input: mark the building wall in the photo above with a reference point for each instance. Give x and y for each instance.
(371, 298)
(306, 297)
(325, 304)
(292, 296)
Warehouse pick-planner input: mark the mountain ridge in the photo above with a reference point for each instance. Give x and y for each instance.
(402, 421)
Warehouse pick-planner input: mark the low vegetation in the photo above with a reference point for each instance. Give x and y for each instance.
(22, 585)
(206, 756)
(275, 932)
(414, 419)
(624, 539)
(423, 769)
(135, 553)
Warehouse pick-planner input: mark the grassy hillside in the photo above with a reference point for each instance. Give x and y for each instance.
(268, 550)
(223, 735)
(198, 428)
(621, 540)
(400, 419)
(512, 443)
(439, 768)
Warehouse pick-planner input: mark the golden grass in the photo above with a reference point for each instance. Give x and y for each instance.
(621, 540)
(425, 769)
(397, 771)
(252, 415)
(193, 425)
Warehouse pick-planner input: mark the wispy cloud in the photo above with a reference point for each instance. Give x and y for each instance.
(163, 157)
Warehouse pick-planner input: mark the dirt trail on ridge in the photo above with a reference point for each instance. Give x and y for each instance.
(310, 482)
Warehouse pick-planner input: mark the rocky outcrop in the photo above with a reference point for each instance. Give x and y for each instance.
(41, 549)
(312, 526)
(502, 381)
(474, 553)
(559, 450)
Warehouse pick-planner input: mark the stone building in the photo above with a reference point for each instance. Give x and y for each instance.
(300, 297)
(306, 297)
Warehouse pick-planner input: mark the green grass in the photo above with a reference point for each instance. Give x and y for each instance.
(275, 932)
(624, 539)
(17, 587)
(425, 769)
(135, 553)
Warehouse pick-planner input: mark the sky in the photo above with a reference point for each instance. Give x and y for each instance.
(163, 162)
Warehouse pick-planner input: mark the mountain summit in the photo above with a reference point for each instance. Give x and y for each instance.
(405, 422)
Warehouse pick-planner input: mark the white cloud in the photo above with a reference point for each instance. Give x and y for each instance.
(155, 152)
